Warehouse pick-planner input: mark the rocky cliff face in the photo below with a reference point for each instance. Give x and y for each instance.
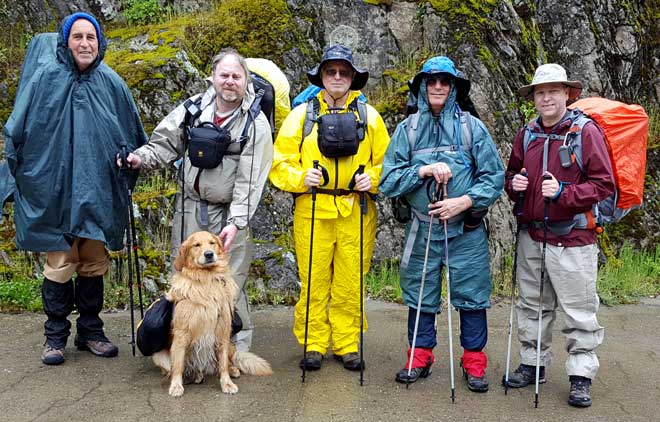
(612, 46)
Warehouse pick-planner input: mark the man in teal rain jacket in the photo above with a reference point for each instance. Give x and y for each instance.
(440, 144)
(71, 117)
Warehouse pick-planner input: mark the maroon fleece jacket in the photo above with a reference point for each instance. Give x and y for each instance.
(581, 189)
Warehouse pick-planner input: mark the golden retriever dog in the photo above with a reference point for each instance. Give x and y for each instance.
(203, 293)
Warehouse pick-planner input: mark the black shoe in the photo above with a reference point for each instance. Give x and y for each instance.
(580, 395)
(351, 361)
(525, 375)
(101, 348)
(476, 384)
(415, 374)
(312, 362)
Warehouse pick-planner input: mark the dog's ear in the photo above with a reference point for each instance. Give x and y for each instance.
(180, 260)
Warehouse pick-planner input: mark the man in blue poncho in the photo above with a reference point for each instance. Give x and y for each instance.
(71, 117)
(441, 144)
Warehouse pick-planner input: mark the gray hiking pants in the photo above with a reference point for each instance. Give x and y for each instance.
(240, 255)
(570, 283)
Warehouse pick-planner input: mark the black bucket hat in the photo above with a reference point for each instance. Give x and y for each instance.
(437, 65)
(338, 52)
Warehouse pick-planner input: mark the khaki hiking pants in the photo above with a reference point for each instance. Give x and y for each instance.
(87, 258)
(570, 283)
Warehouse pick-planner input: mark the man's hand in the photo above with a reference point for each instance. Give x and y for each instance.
(134, 162)
(448, 208)
(227, 236)
(363, 182)
(519, 182)
(313, 178)
(439, 171)
(550, 186)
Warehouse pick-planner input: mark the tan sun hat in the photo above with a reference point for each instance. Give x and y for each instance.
(548, 74)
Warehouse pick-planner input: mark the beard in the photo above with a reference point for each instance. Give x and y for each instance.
(229, 96)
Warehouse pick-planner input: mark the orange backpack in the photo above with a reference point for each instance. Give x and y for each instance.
(625, 128)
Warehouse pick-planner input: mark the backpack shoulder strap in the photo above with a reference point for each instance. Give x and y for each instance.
(466, 131)
(313, 107)
(362, 115)
(193, 110)
(413, 121)
(576, 143)
(311, 116)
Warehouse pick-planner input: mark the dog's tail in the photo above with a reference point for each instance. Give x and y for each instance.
(251, 364)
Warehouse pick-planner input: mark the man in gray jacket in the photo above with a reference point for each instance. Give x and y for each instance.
(223, 198)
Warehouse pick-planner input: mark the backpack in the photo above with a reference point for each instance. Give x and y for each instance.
(625, 130)
(400, 206)
(275, 103)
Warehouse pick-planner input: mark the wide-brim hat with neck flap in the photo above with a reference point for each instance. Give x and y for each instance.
(548, 74)
(338, 52)
(437, 65)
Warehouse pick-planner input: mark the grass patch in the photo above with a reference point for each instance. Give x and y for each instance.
(630, 277)
(383, 281)
(20, 294)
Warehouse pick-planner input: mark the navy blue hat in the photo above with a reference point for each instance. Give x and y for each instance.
(68, 23)
(437, 65)
(338, 52)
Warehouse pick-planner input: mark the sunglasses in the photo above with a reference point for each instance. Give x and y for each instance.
(443, 78)
(343, 73)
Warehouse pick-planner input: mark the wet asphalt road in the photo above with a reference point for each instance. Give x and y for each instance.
(130, 388)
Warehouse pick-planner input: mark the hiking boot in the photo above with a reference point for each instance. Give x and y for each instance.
(580, 396)
(351, 361)
(100, 348)
(525, 375)
(312, 362)
(415, 374)
(52, 356)
(476, 384)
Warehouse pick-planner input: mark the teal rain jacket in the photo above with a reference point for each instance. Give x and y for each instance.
(61, 141)
(479, 173)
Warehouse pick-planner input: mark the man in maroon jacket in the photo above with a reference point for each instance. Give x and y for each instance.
(539, 173)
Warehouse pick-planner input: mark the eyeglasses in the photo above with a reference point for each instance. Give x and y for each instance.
(343, 73)
(443, 78)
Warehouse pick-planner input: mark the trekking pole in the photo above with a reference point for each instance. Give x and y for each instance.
(421, 289)
(546, 211)
(123, 154)
(363, 211)
(309, 276)
(451, 343)
(135, 247)
(518, 207)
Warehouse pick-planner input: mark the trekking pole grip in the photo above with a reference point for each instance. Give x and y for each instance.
(316, 166)
(521, 198)
(546, 199)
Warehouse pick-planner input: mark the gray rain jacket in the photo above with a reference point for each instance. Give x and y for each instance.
(228, 183)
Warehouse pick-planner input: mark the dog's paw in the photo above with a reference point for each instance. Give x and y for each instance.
(229, 387)
(234, 372)
(176, 390)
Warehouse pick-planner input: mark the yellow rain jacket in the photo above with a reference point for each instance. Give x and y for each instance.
(335, 284)
(291, 162)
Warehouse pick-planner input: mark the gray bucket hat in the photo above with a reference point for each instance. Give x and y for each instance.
(338, 52)
(548, 74)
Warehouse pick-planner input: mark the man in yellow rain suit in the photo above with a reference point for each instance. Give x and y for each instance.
(348, 138)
